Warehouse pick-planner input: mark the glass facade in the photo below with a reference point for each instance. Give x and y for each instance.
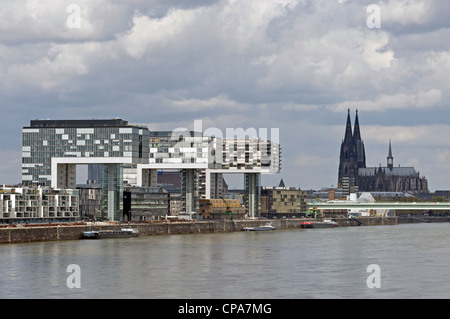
(252, 197)
(146, 203)
(167, 147)
(107, 142)
(51, 150)
(251, 154)
(42, 143)
(112, 190)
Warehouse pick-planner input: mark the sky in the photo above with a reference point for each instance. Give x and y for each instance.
(292, 65)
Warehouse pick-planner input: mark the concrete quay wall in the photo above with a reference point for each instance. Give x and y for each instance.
(422, 219)
(56, 233)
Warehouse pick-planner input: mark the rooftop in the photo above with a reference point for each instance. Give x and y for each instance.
(79, 123)
(395, 171)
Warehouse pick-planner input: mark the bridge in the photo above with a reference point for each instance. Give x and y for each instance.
(345, 205)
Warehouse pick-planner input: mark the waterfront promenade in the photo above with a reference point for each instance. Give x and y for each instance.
(60, 232)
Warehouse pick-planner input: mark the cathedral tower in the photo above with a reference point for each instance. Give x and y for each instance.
(355, 177)
(352, 156)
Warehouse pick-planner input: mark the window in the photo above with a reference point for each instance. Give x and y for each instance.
(85, 131)
(125, 130)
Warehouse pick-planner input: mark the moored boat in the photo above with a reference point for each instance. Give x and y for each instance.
(259, 228)
(104, 234)
(307, 225)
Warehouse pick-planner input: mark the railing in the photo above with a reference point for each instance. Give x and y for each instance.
(382, 205)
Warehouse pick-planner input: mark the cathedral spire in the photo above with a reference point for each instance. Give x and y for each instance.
(390, 158)
(356, 132)
(348, 128)
(360, 152)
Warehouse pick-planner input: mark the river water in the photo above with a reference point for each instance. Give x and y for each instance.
(412, 259)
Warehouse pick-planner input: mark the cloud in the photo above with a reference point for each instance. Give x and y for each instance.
(309, 160)
(420, 135)
(375, 54)
(36, 21)
(406, 12)
(150, 35)
(384, 102)
(296, 65)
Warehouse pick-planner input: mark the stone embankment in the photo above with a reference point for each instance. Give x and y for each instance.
(38, 233)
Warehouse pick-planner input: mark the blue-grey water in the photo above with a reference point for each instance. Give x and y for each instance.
(413, 260)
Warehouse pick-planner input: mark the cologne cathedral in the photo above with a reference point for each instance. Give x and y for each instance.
(354, 176)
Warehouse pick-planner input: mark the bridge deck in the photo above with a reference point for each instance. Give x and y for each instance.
(397, 206)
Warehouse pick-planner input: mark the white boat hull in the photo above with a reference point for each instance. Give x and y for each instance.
(259, 228)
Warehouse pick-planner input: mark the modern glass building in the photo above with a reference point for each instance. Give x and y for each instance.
(204, 159)
(251, 157)
(51, 150)
(188, 151)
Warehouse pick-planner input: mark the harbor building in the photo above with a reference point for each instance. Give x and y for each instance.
(174, 204)
(251, 157)
(354, 176)
(221, 209)
(90, 201)
(145, 203)
(52, 149)
(183, 150)
(282, 201)
(204, 159)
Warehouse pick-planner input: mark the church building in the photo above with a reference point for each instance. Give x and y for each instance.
(354, 175)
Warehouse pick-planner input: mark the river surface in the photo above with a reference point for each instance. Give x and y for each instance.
(413, 261)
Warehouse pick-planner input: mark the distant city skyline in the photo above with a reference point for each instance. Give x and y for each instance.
(288, 64)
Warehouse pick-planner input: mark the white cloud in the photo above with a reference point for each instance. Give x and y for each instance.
(375, 54)
(406, 12)
(47, 20)
(149, 35)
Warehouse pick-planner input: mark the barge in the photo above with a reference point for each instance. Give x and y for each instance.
(326, 223)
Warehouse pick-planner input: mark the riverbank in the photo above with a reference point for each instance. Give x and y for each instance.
(75, 231)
